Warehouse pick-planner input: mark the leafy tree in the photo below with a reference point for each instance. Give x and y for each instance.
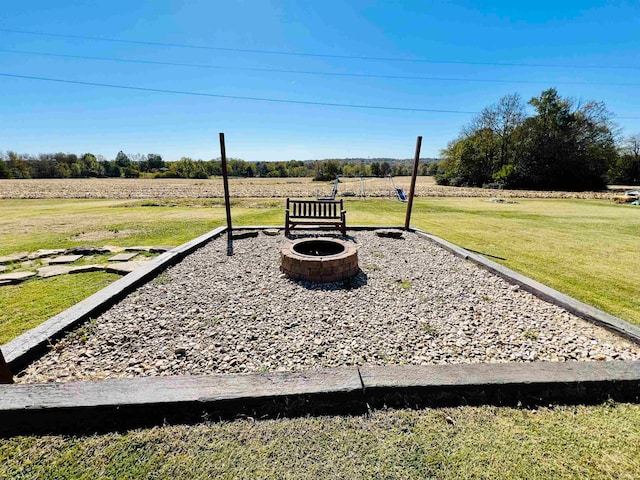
(122, 160)
(89, 165)
(154, 162)
(565, 148)
(625, 169)
(328, 170)
(18, 168)
(5, 171)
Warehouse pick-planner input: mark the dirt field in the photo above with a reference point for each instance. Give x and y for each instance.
(252, 187)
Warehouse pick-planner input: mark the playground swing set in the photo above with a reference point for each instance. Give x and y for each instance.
(399, 192)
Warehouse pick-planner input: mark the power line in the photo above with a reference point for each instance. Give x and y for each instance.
(236, 97)
(319, 55)
(239, 97)
(313, 72)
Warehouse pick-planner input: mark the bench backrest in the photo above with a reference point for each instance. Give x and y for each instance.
(314, 208)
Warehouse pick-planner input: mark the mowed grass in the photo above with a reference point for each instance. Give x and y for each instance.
(598, 442)
(26, 305)
(585, 248)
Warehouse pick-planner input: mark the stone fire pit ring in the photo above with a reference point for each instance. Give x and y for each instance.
(319, 260)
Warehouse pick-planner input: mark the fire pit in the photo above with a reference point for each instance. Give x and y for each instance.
(319, 260)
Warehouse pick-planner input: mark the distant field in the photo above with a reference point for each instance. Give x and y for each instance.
(252, 188)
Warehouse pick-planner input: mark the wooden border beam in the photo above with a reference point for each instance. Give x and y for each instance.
(108, 405)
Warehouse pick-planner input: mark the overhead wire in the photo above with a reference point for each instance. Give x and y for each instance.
(260, 99)
(312, 72)
(236, 97)
(318, 55)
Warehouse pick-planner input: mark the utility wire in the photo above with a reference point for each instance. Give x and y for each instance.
(319, 55)
(239, 97)
(236, 97)
(312, 72)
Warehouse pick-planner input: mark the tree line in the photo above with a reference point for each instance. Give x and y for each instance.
(564, 145)
(87, 165)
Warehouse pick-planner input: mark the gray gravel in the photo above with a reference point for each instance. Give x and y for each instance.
(413, 303)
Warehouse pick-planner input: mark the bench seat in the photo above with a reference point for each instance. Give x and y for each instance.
(321, 213)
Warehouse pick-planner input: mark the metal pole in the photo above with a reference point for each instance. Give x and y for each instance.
(416, 160)
(227, 203)
(5, 373)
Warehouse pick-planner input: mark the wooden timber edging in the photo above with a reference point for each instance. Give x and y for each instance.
(31, 344)
(540, 290)
(116, 404)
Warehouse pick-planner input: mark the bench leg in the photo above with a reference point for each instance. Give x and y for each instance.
(286, 221)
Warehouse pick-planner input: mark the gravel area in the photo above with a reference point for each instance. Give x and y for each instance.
(412, 303)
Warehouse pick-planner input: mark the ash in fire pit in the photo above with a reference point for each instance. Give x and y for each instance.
(319, 260)
(319, 248)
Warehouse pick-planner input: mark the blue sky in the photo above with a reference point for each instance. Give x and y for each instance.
(39, 116)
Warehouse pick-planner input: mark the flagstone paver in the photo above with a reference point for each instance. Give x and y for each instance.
(65, 259)
(123, 257)
(124, 267)
(16, 277)
(56, 270)
(53, 271)
(43, 253)
(14, 257)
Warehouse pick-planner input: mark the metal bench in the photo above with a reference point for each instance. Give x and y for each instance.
(321, 213)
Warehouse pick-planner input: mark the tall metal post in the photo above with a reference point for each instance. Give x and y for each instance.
(227, 202)
(5, 373)
(416, 160)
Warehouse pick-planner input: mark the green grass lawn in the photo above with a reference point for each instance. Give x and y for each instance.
(585, 248)
(599, 442)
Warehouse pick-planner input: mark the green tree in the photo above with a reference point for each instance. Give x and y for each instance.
(154, 162)
(5, 171)
(122, 160)
(566, 148)
(625, 169)
(89, 165)
(17, 166)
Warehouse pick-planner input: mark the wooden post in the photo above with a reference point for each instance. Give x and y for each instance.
(5, 373)
(227, 202)
(416, 160)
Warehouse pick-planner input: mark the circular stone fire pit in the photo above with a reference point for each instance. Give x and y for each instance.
(319, 260)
